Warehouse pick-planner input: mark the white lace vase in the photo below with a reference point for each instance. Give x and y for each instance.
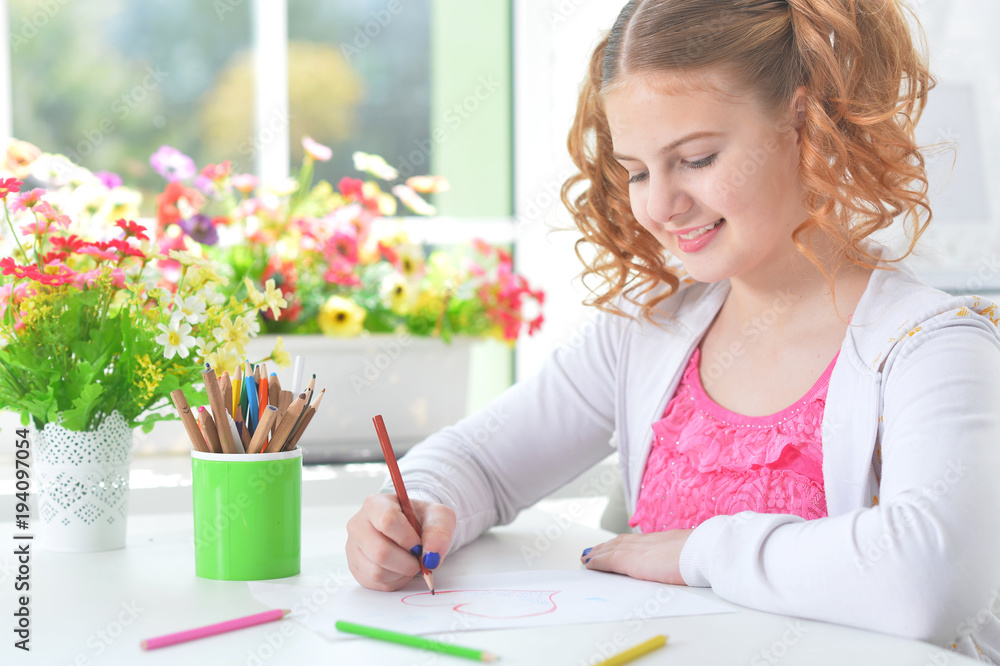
(83, 486)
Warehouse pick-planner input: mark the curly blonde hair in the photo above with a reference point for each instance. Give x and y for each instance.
(866, 84)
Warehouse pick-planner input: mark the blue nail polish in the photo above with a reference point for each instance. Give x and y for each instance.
(416, 550)
(586, 560)
(431, 560)
(588, 550)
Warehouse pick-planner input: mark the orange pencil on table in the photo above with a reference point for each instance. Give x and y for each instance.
(397, 483)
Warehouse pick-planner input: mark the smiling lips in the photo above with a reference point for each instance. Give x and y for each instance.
(693, 239)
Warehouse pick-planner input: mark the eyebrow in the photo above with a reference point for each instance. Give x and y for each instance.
(674, 145)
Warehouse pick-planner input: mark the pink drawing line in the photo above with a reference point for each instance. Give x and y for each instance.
(458, 607)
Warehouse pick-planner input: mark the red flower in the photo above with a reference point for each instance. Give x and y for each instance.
(351, 188)
(132, 229)
(388, 253)
(167, 212)
(68, 243)
(217, 171)
(11, 268)
(9, 186)
(124, 248)
(99, 252)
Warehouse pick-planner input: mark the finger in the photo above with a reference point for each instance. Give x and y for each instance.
(387, 517)
(437, 525)
(370, 574)
(386, 553)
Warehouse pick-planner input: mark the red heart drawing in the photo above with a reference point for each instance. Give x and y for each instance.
(496, 604)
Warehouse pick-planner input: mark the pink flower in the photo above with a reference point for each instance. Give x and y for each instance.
(316, 150)
(343, 245)
(28, 199)
(98, 253)
(44, 209)
(132, 229)
(341, 272)
(245, 182)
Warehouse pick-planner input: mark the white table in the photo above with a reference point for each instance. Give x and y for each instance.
(94, 608)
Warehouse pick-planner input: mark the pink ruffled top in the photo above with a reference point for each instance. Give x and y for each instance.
(708, 461)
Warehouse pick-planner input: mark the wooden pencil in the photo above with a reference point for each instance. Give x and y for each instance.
(209, 430)
(226, 386)
(189, 421)
(309, 414)
(242, 429)
(259, 441)
(219, 411)
(397, 483)
(287, 423)
(273, 389)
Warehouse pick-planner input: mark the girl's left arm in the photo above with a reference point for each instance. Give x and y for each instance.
(924, 561)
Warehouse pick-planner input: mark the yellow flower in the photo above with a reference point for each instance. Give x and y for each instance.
(341, 317)
(233, 334)
(279, 355)
(223, 360)
(148, 378)
(411, 261)
(397, 293)
(255, 296)
(274, 299)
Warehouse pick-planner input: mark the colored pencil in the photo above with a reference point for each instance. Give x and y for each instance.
(210, 430)
(414, 641)
(265, 398)
(287, 424)
(309, 414)
(235, 433)
(259, 441)
(226, 386)
(297, 368)
(253, 402)
(397, 482)
(189, 421)
(213, 629)
(635, 652)
(273, 389)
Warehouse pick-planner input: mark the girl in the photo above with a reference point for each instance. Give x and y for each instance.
(802, 424)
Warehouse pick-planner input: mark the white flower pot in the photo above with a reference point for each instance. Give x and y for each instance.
(83, 481)
(418, 385)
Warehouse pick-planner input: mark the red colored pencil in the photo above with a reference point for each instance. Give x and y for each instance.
(213, 629)
(404, 500)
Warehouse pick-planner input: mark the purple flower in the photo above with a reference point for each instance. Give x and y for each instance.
(110, 180)
(172, 164)
(200, 228)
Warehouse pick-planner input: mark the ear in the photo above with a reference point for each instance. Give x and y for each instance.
(798, 111)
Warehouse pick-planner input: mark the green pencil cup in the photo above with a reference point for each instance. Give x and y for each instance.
(247, 514)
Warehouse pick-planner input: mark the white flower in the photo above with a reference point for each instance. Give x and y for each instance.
(176, 338)
(212, 297)
(375, 165)
(191, 309)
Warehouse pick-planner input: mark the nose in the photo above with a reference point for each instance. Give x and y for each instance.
(666, 199)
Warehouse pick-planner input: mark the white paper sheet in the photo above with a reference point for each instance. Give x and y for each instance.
(489, 601)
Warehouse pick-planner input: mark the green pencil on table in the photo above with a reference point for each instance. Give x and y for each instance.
(415, 641)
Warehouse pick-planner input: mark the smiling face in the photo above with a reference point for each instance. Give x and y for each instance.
(698, 158)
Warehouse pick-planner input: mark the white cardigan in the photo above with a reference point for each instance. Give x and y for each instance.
(911, 461)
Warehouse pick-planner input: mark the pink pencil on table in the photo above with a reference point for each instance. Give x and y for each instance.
(213, 629)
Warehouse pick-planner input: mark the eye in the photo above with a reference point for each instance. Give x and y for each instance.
(638, 178)
(702, 163)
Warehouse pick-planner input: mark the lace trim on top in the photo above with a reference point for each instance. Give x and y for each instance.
(707, 460)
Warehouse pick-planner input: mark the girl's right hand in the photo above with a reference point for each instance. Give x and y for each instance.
(381, 543)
